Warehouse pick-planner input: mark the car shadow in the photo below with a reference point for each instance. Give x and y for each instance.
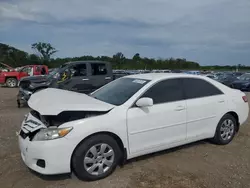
(141, 158)
(58, 177)
(3, 86)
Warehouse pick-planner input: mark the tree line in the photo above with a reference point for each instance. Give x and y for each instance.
(44, 55)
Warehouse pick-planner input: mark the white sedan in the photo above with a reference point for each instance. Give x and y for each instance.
(132, 116)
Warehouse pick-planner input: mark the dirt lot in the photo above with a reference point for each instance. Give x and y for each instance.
(197, 165)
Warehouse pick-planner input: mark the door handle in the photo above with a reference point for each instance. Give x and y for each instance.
(85, 79)
(179, 108)
(221, 101)
(107, 78)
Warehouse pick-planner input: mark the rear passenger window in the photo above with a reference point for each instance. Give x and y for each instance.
(166, 91)
(98, 69)
(197, 88)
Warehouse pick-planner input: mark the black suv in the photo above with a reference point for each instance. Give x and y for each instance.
(79, 76)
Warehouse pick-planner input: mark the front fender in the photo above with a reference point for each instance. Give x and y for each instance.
(98, 124)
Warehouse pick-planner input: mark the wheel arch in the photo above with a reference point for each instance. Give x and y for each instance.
(111, 134)
(236, 116)
(7, 77)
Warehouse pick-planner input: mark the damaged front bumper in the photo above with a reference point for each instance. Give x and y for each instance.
(23, 96)
(43, 156)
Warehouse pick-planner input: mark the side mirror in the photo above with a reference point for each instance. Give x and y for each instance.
(144, 102)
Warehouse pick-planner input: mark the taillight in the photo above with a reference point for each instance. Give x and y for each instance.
(245, 98)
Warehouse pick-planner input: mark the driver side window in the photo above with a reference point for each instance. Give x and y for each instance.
(78, 70)
(165, 91)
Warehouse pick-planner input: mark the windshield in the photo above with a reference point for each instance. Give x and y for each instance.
(120, 90)
(244, 77)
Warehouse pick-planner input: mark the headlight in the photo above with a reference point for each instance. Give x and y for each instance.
(51, 133)
(246, 84)
(31, 86)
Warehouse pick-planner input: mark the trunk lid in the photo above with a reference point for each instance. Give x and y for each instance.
(53, 101)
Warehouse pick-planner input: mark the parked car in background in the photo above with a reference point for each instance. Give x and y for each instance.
(212, 76)
(242, 83)
(129, 117)
(161, 71)
(238, 74)
(193, 72)
(226, 79)
(12, 77)
(78, 76)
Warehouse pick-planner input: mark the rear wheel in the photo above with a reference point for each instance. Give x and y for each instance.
(225, 130)
(11, 82)
(96, 158)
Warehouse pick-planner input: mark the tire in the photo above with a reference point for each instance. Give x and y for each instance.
(86, 164)
(225, 130)
(11, 82)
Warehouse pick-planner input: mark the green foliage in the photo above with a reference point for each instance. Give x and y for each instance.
(12, 56)
(15, 57)
(44, 49)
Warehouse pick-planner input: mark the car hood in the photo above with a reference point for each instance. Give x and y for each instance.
(53, 101)
(35, 79)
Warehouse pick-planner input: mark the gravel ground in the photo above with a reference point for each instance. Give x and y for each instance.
(198, 165)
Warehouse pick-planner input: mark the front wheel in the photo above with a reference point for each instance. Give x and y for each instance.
(96, 158)
(11, 82)
(225, 130)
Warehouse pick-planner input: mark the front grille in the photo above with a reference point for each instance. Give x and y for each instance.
(30, 135)
(24, 84)
(23, 135)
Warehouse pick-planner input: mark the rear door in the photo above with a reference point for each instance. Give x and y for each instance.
(206, 104)
(100, 74)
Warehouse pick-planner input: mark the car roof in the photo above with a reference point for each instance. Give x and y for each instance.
(161, 76)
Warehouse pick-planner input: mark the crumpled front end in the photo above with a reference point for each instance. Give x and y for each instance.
(43, 156)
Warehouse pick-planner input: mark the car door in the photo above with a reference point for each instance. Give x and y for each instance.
(205, 106)
(161, 124)
(25, 71)
(77, 80)
(99, 75)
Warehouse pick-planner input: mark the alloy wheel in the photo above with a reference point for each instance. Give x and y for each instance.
(11, 83)
(99, 159)
(227, 129)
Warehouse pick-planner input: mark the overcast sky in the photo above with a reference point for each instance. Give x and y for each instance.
(206, 31)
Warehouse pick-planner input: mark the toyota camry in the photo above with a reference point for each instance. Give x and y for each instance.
(135, 115)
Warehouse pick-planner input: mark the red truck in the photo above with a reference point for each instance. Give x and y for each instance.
(11, 77)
